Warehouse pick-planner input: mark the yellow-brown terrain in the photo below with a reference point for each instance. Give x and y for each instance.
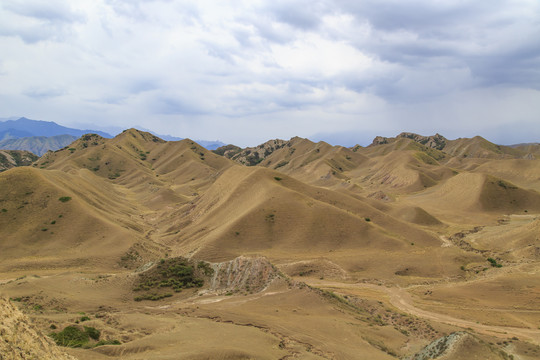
(415, 247)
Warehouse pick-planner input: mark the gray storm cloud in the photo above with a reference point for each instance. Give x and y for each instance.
(247, 71)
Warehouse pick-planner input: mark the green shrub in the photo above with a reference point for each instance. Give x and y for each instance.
(108, 342)
(281, 164)
(92, 332)
(71, 336)
(277, 178)
(175, 273)
(64, 198)
(84, 318)
(206, 268)
(494, 263)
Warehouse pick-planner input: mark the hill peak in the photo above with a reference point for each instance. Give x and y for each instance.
(139, 135)
(436, 141)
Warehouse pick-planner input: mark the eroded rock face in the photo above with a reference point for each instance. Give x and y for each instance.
(434, 141)
(253, 156)
(14, 158)
(458, 346)
(20, 339)
(251, 274)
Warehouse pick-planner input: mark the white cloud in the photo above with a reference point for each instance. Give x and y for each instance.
(246, 70)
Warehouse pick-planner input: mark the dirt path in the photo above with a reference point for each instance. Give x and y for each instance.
(402, 300)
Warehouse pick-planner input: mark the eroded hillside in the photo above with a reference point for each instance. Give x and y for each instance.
(292, 249)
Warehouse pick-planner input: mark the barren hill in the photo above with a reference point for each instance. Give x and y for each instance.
(292, 249)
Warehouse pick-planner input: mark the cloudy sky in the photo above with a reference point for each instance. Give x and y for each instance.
(247, 71)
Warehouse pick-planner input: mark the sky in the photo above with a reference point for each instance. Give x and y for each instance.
(244, 72)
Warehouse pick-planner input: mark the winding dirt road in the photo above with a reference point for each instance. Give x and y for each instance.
(403, 301)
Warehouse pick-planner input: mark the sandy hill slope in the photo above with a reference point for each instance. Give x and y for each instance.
(472, 192)
(314, 163)
(252, 210)
(156, 171)
(50, 219)
(481, 148)
(476, 147)
(14, 158)
(401, 167)
(531, 149)
(20, 339)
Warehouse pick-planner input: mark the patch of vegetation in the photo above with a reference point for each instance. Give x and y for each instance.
(84, 318)
(72, 150)
(71, 336)
(505, 185)
(205, 268)
(114, 176)
(153, 296)
(367, 219)
(281, 164)
(77, 337)
(93, 333)
(130, 259)
(277, 178)
(74, 337)
(64, 198)
(176, 273)
(4, 210)
(108, 342)
(494, 263)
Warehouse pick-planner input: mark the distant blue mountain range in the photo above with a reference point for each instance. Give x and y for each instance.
(40, 136)
(23, 127)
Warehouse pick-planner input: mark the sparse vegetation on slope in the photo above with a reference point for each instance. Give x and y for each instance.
(20, 339)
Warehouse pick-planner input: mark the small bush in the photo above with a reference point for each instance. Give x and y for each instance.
(108, 342)
(4, 210)
(71, 336)
(84, 318)
(367, 219)
(206, 268)
(277, 178)
(64, 198)
(494, 263)
(92, 332)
